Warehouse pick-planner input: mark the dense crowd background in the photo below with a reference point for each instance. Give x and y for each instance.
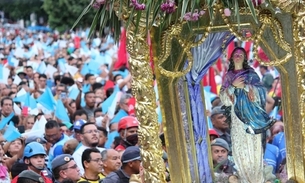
(67, 110)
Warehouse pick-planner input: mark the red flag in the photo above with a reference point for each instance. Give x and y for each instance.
(77, 42)
(25, 111)
(131, 107)
(219, 65)
(212, 80)
(122, 52)
(205, 80)
(108, 84)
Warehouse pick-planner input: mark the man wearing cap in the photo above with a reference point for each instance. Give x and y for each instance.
(64, 167)
(213, 134)
(20, 166)
(128, 129)
(29, 176)
(131, 163)
(220, 125)
(34, 156)
(220, 151)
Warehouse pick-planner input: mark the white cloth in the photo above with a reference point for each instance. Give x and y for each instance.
(77, 156)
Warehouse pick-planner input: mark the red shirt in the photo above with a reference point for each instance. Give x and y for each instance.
(46, 179)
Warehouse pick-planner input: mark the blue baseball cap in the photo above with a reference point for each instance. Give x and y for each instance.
(78, 124)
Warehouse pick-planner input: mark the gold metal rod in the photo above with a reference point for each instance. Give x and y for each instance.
(191, 130)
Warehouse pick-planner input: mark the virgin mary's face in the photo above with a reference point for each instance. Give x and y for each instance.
(238, 57)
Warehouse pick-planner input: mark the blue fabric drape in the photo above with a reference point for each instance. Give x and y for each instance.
(204, 56)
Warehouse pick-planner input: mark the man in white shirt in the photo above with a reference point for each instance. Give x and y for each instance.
(89, 139)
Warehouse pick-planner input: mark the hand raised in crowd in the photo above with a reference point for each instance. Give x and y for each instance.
(239, 82)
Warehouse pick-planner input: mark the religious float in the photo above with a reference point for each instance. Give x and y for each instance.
(182, 39)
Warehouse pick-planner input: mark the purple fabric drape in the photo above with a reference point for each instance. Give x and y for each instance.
(204, 56)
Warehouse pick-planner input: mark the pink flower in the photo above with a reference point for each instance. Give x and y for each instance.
(97, 4)
(258, 2)
(137, 5)
(168, 6)
(193, 16)
(227, 12)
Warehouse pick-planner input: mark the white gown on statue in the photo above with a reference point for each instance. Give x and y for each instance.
(247, 149)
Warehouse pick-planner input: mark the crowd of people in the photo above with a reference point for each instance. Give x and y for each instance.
(67, 109)
(69, 100)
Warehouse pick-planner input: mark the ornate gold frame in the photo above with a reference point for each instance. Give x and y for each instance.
(281, 35)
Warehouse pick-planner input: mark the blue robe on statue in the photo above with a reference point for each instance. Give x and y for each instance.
(249, 102)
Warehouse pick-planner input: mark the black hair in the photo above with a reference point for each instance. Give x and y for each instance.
(86, 156)
(245, 62)
(84, 125)
(15, 120)
(97, 110)
(67, 81)
(162, 138)
(105, 132)
(42, 76)
(109, 91)
(25, 180)
(96, 86)
(67, 181)
(87, 76)
(87, 93)
(29, 67)
(79, 113)
(52, 124)
(57, 78)
(6, 98)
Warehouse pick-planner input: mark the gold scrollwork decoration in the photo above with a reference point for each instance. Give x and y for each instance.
(268, 21)
(299, 39)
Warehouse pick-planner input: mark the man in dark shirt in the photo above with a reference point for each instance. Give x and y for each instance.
(131, 161)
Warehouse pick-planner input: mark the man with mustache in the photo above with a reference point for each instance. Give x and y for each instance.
(89, 139)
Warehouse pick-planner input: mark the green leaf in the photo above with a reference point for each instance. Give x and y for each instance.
(251, 7)
(94, 22)
(85, 11)
(139, 13)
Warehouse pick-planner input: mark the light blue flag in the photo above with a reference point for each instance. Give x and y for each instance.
(5, 120)
(47, 100)
(42, 68)
(30, 102)
(159, 115)
(21, 98)
(73, 93)
(61, 112)
(86, 88)
(119, 116)
(274, 112)
(61, 64)
(1, 72)
(93, 67)
(85, 69)
(108, 102)
(82, 102)
(124, 73)
(110, 139)
(11, 133)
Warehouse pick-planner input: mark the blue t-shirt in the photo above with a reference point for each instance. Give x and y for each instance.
(63, 139)
(58, 150)
(272, 156)
(279, 141)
